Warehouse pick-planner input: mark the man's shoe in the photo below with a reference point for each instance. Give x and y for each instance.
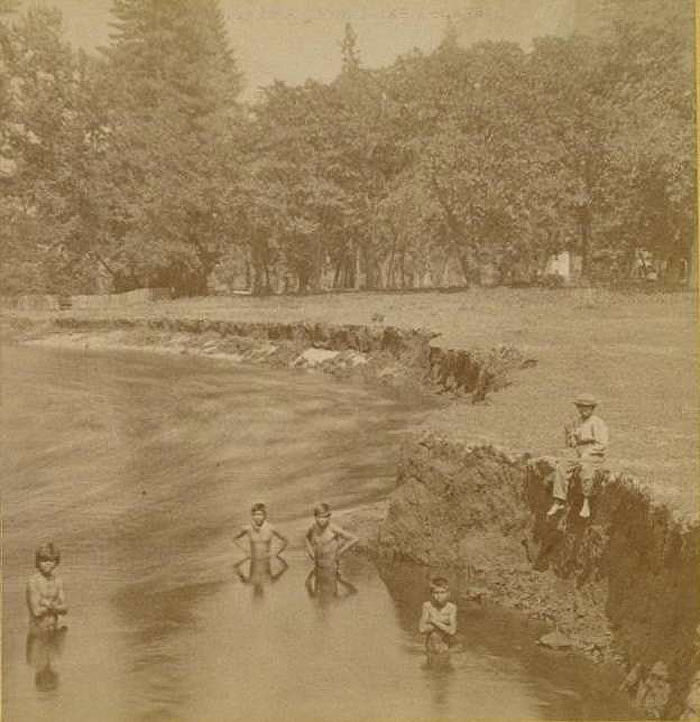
(555, 508)
(585, 509)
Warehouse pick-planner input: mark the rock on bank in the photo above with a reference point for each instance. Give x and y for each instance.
(622, 585)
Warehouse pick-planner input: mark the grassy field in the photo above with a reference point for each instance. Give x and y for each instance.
(637, 352)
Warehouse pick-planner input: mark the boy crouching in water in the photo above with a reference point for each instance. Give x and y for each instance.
(438, 620)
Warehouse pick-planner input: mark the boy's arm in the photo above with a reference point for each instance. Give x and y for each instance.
(349, 540)
(309, 583)
(309, 545)
(37, 606)
(425, 624)
(59, 606)
(450, 626)
(274, 577)
(238, 566)
(284, 542)
(243, 532)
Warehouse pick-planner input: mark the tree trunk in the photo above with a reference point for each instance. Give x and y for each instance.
(585, 235)
(336, 275)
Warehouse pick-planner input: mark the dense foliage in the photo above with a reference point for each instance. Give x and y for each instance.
(142, 166)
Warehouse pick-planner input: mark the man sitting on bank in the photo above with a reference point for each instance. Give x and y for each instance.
(589, 437)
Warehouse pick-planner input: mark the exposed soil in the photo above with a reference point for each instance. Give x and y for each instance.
(622, 585)
(385, 354)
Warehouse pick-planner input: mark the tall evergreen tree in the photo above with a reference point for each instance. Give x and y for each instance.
(167, 170)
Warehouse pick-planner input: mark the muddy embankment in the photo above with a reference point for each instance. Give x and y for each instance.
(622, 585)
(392, 356)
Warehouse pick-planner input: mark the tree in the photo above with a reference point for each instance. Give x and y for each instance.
(40, 128)
(651, 56)
(164, 172)
(349, 51)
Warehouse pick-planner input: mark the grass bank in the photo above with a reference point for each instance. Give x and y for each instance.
(636, 352)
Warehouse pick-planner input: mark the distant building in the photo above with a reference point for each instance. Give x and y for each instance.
(567, 265)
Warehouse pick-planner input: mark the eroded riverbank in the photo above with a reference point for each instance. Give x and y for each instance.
(143, 467)
(396, 357)
(621, 588)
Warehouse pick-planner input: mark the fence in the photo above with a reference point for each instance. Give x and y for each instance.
(106, 300)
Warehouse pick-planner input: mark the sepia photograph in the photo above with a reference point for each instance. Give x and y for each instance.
(349, 361)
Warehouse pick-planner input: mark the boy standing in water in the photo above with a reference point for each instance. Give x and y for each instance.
(45, 598)
(438, 619)
(260, 534)
(325, 544)
(46, 603)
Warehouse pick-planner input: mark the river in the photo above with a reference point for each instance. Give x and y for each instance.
(140, 468)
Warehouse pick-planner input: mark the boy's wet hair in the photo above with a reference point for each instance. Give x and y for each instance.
(322, 509)
(439, 583)
(47, 552)
(258, 507)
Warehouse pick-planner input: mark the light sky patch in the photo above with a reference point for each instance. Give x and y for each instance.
(292, 40)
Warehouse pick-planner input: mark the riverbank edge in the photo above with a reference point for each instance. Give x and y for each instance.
(502, 561)
(619, 587)
(393, 357)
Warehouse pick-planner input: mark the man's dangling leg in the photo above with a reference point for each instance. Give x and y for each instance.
(560, 488)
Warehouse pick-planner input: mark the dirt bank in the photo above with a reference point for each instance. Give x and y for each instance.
(395, 357)
(622, 585)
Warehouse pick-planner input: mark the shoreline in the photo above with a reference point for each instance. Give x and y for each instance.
(498, 554)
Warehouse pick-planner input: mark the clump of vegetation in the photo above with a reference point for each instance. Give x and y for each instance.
(143, 167)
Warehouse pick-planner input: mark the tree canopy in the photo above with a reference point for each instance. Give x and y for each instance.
(142, 166)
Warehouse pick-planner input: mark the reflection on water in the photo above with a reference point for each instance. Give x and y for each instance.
(260, 572)
(44, 649)
(327, 585)
(439, 673)
(141, 468)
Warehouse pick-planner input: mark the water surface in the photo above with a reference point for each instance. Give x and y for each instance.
(141, 468)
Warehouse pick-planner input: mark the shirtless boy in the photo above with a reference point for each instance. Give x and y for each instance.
(438, 619)
(45, 598)
(260, 534)
(326, 542)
